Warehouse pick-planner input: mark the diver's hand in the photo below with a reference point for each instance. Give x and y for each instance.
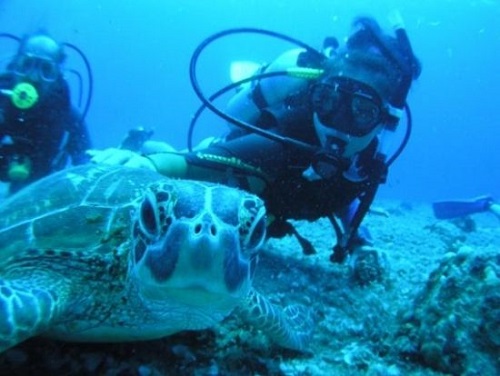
(114, 157)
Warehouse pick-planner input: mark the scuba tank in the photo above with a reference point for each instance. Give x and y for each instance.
(250, 99)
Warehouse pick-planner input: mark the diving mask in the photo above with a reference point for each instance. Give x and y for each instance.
(348, 106)
(36, 68)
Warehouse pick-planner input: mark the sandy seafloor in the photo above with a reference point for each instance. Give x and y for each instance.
(358, 328)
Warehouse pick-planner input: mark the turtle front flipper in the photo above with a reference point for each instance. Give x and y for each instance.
(24, 312)
(291, 327)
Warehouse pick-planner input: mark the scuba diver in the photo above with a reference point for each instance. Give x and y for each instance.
(40, 130)
(308, 132)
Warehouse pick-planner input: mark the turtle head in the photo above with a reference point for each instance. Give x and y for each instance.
(196, 244)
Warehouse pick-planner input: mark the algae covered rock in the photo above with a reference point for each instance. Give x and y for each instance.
(454, 325)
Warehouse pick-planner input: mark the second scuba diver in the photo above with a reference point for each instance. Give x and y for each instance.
(40, 131)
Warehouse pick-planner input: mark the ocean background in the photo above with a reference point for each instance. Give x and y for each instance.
(140, 52)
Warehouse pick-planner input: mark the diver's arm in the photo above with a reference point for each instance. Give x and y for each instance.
(169, 164)
(234, 163)
(209, 167)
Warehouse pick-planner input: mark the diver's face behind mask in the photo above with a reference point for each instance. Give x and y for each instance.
(38, 60)
(36, 69)
(348, 114)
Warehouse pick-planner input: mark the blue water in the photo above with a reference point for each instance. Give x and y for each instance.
(140, 52)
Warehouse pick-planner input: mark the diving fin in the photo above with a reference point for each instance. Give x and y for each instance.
(495, 209)
(460, 208)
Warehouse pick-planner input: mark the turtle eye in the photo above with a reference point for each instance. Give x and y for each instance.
(148, 215)
(257, 232)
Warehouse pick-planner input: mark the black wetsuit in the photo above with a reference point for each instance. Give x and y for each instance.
(51, 133)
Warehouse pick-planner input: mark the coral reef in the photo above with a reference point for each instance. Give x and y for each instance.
(454, 325)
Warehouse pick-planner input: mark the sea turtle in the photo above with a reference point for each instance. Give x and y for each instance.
(110, 254)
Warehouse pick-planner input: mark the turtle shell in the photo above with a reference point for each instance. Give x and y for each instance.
(76, 209)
